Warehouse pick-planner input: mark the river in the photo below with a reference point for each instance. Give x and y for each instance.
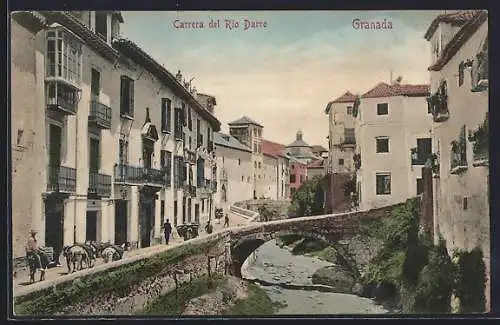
(277, 265)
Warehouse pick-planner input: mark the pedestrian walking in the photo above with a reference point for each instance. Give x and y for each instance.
(226, 220)
(167, 230)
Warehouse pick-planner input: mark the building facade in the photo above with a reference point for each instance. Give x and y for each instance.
(459, 105)
(276, 170)
(116, 127)
(235, 171)
(249, 133)
(341, 135)
(393, 131)
(300, 150)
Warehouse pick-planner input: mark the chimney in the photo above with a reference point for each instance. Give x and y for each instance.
(398, 80)
(178, 76)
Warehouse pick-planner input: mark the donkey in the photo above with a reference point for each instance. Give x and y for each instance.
(113, 252)
(76, 255)
(37, 260)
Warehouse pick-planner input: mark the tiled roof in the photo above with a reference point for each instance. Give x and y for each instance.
(385, 90)
(244, 120)
(347, 97)
(318, 149)
(457, 18)
(226, 140)
(316, 163)
(467, 30)
(273, 149)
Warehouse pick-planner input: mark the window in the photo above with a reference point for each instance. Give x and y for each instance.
(202, 205)
(64, 56)
(259, 164)
(461, 74)
(162, 209)
(239, 161)
(292, 178)
(341, 162)
(126, 96)
(420, 186)
(190, 120)
(349, 110)
(101, 25)
(255, 164)
(95, 84)
(383, 184)
(424, 149)
(382, 109)
(242, 178)
(166, 114)
(94, 155)
(166, 165)
(382, 144)
(255, 147)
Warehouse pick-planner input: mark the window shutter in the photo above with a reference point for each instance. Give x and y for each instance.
(131, 107)
(123, 92)
(169, 114)
(163, 114)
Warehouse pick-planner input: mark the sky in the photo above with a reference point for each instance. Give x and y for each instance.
(283, 75)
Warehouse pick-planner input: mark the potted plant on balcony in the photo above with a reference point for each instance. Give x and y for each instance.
(480, 140)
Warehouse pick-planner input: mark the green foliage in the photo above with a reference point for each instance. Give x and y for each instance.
(308, 199)
(470, 281)
(289, 239)
(257, 303)
(435, 285)
(119, 280)
(174, 303)
(267, 213)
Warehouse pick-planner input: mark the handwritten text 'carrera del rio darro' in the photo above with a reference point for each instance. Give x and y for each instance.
(230, 24)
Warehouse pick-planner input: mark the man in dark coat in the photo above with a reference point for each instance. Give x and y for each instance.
(167, 230)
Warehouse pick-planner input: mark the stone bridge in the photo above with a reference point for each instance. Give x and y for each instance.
(342, 231)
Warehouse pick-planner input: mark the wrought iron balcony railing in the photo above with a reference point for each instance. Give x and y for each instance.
(100, 114)
(61, 179)
(99, 184)
(139, 175)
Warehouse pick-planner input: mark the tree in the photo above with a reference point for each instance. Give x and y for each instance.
(308, 199)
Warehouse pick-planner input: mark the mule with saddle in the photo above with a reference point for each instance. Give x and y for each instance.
(79, 254)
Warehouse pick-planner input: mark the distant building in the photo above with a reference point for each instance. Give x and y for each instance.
(460, 132)
(298, 174)
(300, 150)
(234, 172)
(316, 168)
(319, 151)
(249, 133)
(276, 181)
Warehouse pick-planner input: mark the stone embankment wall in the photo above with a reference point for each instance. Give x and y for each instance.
(130, 286)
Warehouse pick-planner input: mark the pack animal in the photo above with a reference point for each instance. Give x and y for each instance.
(37, 260)
(75, 256)
(113, 253)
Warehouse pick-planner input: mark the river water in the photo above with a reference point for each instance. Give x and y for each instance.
(277, 265)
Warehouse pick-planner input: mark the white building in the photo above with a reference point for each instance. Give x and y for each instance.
(276, 171)
(341, 136)
(234, 172)
(393, 140)
(249, 133)
(459, 103)
(115, 123)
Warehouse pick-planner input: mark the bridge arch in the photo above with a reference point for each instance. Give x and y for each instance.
(246, 245)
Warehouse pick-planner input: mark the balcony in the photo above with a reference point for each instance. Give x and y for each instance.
(99, 185)
(61, 97)
(100, 115)
(128, 174)
(458, 157)
(357, 160)
(416, 159)
(479, 73)
(349, 138)
(434, 164)
(61, 179)
(189, 156)
(178, 133)
(480, 144)
(190, 190)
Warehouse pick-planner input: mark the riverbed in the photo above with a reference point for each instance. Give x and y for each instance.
(273, 264)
